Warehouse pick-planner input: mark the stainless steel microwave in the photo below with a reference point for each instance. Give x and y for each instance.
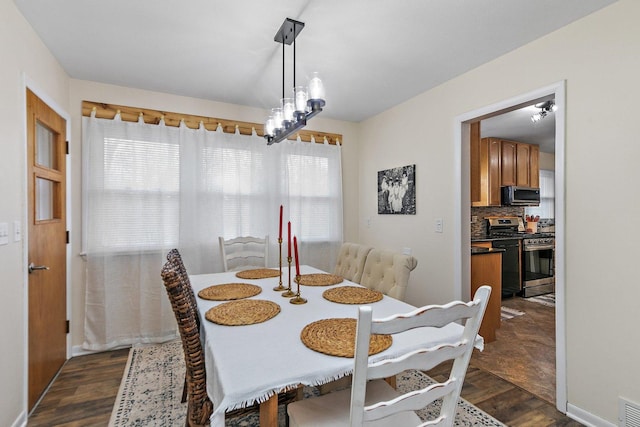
(520, 196)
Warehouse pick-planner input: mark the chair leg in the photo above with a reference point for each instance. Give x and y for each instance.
(184, 390)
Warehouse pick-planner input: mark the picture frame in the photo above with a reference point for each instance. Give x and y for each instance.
(397, 190)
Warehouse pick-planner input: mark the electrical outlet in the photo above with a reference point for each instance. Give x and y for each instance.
(438, 225)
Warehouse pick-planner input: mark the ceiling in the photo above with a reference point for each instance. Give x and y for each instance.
(517, 126)
(372, 54)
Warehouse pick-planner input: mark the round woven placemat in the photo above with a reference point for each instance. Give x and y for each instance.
(258, 273)
(242, 312)
(320, 279)
(352, 295)
(229, 291)
(337, 337)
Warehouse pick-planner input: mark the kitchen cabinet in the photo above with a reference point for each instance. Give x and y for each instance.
(485, 172)
(523, 168)
(534, 165)
(508, 162)
(495, 163)
(486, 269)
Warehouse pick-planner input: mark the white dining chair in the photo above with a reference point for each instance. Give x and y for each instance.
(371, 401)
(244, 252)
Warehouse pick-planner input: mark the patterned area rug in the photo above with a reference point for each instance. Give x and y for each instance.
(151, 390)
(507, 313)
(548, 299)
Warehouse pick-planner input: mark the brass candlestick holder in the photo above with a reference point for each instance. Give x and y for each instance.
(298, 299)
(289, 293)
(280, 287)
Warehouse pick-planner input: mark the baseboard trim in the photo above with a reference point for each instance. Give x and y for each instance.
(21, 421)
(586, 418)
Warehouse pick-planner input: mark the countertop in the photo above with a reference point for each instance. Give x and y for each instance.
(477, 250)
(518, 236)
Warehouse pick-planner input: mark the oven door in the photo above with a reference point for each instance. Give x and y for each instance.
(538, 270)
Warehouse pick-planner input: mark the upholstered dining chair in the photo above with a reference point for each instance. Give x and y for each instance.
(243, 252)
(350, 263)
(371, 399)
(199, 406)
(388, 272)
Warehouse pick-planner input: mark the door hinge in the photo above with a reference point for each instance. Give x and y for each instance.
(67, 237)
(67, 327)
(67, 147)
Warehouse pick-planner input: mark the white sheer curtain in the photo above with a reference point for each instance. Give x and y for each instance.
(149, 188)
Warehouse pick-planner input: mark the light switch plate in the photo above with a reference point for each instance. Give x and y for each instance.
(438, 225)
(4, 233)
(17, 231)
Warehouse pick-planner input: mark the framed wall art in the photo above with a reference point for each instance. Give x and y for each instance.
(397, 191)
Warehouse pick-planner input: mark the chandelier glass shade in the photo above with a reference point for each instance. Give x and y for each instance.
(303, 103)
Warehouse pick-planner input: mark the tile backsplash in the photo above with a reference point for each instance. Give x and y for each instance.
(479, 227)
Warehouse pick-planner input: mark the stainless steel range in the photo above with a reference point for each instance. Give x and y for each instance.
(538, 265)
(528, 261)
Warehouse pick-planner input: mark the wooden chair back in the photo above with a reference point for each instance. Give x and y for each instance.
(182, 301)
(242, 252)
(423, 359)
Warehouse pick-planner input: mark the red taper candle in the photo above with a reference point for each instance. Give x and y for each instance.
(280, 232)
(289, 241)
(295, 249)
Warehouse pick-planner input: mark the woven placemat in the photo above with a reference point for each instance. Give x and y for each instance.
(229, 291)
(320, 279)
(352, 295)
(337, 337)
(258, 273)
(242, 312)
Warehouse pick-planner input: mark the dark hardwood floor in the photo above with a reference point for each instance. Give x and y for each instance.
(518, 394)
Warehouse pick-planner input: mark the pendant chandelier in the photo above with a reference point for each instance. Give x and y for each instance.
(303, 103)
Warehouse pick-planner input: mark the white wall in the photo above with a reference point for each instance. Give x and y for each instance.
(22, 55)
(598, 58)
(90, 91)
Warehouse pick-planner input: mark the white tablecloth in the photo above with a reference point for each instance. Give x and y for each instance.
(248, 364)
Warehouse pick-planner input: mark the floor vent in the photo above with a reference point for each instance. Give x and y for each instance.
(629, 415)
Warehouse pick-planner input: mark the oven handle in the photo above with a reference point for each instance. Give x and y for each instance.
(538, 248)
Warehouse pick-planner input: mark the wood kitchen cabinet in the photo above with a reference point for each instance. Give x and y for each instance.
(496, 163)
(534, 166)
(485, 172)
(508, 162)
(486, 269)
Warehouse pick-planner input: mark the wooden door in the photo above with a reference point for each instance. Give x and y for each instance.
(46, 149)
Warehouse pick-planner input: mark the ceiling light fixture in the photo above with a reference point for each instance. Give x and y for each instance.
(545, 108)
(305, 102)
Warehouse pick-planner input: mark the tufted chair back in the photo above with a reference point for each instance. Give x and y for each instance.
(388, 272)
(351, 260)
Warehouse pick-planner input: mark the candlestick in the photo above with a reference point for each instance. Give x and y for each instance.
(289, 293)
(280, 287)
(289, 241)
(280, 229)
(297, 299)
(295, 249)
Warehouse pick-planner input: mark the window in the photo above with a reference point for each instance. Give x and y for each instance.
(546, 210)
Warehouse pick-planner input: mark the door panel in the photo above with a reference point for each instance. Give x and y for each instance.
(46, 147)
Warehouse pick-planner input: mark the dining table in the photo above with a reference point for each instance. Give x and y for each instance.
(252, 363)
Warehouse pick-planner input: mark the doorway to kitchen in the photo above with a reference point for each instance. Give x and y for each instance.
(462, 138)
